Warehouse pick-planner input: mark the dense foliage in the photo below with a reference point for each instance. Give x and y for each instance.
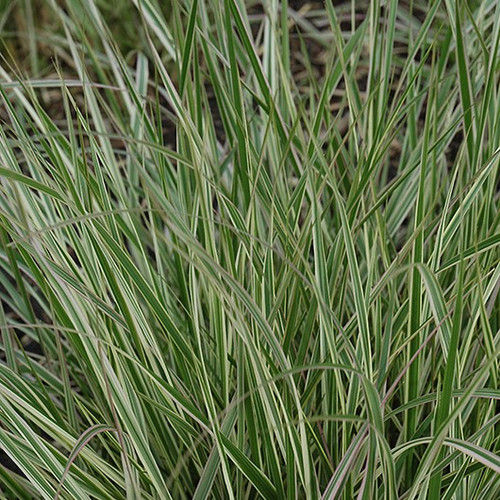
(249, 249)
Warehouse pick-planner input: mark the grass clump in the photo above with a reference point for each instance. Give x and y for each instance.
(249, 250)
